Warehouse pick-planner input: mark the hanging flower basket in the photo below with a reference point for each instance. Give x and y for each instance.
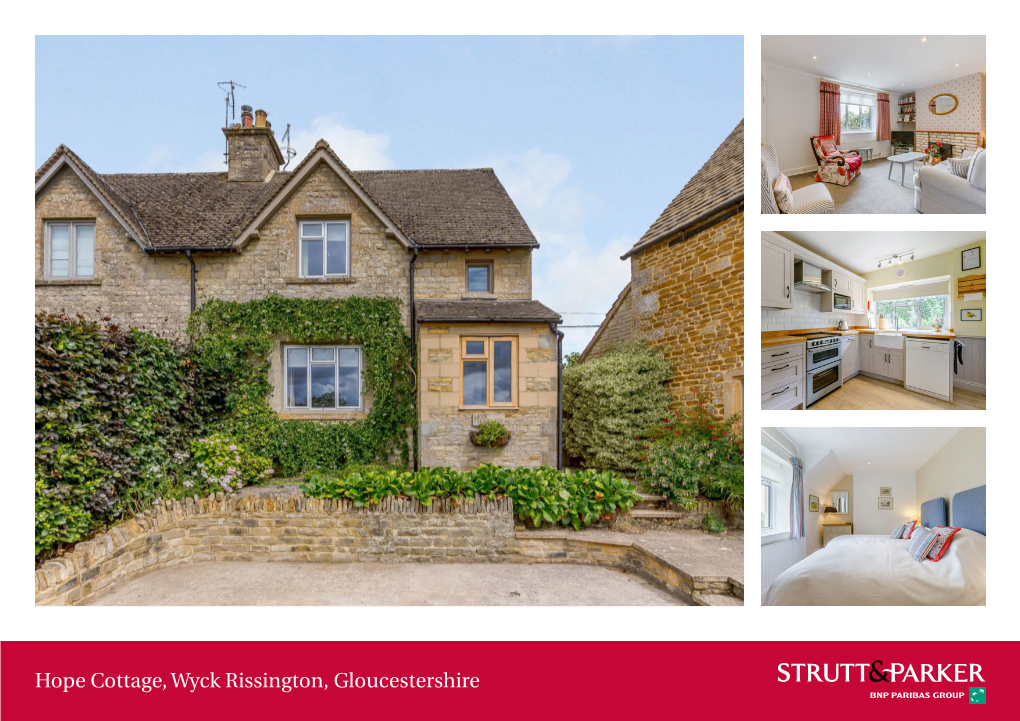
(491, 434)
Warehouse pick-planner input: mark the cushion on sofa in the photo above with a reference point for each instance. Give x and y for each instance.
(960, 166)
(978, 167)
(829, 147)
(783, 190)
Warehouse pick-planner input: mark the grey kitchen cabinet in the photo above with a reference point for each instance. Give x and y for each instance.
(776, 275)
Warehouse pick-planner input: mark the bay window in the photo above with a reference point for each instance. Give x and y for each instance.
(323, 377)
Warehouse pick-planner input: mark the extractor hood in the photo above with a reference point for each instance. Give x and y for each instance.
(809, 277)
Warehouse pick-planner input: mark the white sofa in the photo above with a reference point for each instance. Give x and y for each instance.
(810, 199)
(938, 190)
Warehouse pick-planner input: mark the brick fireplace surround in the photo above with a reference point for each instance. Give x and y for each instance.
(959, 141)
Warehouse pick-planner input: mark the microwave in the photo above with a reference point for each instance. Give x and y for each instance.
(840, 301)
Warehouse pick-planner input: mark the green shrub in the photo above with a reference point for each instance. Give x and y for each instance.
(115, 409)
(218, 463)
(695, 454)
(609, 402)
(711, 523)
(234, 341)
(539, 495)
(492, 434)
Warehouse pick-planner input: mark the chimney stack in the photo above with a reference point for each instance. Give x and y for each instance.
(252, 152)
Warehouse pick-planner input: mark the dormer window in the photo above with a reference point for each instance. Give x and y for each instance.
(325, 248)
(479, 277)
(70, 249)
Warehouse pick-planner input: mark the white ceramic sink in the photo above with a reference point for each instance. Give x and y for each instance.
(888, 340)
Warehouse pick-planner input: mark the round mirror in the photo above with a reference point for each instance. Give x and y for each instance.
(943, 104)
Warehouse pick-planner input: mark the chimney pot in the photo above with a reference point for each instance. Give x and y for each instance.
(246, 116)
(260, 119)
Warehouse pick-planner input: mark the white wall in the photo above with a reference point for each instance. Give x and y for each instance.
(960, 465)
(819, 477)
(791, 119)
(806, 313)
(868, 519)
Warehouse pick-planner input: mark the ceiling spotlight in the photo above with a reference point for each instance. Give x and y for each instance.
(869, 73)
(814, 57)
(924, 39)
(911, 256)
(899, 261)
(902, 84)
(879, 264)
(958, 65)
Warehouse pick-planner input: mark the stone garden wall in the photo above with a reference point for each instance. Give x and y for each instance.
(284, 525)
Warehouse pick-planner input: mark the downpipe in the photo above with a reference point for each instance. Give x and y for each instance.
(559, 396)
(414, 361)
(193, 272)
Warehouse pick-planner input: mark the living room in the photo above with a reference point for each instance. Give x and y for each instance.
(873, 124)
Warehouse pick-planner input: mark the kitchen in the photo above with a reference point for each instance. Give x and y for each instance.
(873, 320)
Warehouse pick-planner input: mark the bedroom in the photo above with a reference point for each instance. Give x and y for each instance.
(873, 516)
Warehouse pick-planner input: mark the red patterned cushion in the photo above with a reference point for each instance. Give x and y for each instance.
(854, 161)
(946, 534)
(828, 147)
(908, 529)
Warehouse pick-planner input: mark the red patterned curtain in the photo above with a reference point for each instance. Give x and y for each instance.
(884, 131)
(829, 115)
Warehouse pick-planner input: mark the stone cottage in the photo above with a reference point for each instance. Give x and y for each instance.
(686, 293)
(147, 249)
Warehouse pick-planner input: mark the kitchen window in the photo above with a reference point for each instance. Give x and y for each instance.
(325, 248)
(857, 111)
(70, 249)
(323, 377)
(489, 367)
(914, 313)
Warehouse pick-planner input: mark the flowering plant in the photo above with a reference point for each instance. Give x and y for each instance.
(934, 150)
(937, 325)
(220, 464)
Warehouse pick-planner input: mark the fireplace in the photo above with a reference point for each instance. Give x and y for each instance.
(947, 151)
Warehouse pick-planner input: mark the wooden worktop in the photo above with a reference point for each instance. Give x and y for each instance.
(944, 335)
(772, 338)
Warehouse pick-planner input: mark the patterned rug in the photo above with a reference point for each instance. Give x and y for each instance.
(871, 191)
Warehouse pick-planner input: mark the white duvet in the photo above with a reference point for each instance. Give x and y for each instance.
(879, 571)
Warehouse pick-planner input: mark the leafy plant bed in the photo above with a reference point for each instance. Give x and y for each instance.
(539, 495)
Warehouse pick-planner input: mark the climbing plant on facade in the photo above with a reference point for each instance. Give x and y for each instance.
(233, 341)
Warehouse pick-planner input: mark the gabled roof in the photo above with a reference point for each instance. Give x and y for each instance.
(719, 183)
(205, 211)
(484, 311)
(605, 322)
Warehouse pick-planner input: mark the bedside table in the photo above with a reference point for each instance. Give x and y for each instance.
(833, 530)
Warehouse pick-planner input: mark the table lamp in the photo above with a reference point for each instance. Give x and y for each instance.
(827, 511)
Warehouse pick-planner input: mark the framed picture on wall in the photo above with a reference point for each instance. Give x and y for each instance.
(971, 258)
(885, 504)
(885, 491)
(970, 314)
(813, 504)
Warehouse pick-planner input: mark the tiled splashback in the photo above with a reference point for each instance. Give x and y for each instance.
(805, 314)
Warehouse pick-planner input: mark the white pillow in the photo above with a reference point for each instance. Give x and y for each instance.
(960, 167)
(978, 167)
(783, 190)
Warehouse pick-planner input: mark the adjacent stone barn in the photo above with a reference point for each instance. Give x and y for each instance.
(686, 294)
(147, 249)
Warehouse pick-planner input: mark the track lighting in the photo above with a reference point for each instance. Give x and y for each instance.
(898, 258)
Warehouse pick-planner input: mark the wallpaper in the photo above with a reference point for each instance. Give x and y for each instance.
(969, 114)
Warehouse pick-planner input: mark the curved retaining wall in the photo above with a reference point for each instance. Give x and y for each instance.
(289, 526)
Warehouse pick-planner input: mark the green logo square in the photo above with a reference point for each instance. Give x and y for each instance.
(977, 694)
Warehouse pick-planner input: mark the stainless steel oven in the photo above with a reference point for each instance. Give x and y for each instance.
(840, 301)
(824, 370)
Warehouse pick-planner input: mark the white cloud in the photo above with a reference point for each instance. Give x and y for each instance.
(158, 157)
(572, 273)
(359, 149)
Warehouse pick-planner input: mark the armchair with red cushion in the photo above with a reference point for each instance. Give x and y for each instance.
(834, 165)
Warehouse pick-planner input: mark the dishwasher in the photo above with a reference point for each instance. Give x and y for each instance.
(930, 367)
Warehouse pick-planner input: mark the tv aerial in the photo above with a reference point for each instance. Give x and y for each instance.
(288, 152)
(227, 86)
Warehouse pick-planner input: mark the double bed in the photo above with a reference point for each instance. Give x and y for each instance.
(860, 570)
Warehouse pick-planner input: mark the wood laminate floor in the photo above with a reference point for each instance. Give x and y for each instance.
(871, 394)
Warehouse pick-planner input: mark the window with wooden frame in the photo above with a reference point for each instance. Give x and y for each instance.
(70, 249)
(325, 248)
(479, 276)
(489, 365)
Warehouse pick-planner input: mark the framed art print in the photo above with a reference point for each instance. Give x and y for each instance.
(813, 504)
(971, 258)
(970, 314)
(885, 504)
(885, 491)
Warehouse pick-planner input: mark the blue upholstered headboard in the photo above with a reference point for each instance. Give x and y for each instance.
(933, 513)
(969, 509)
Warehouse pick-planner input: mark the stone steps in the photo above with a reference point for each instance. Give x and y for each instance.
(716, 599)
(651, 514)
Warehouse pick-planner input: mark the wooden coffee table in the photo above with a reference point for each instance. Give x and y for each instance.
(902, 159)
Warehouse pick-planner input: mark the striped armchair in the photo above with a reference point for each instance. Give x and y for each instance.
(812, 199)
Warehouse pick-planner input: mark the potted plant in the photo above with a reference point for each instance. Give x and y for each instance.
(934, 151)
(491, 434)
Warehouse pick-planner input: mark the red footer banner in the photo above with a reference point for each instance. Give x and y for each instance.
(163, 680)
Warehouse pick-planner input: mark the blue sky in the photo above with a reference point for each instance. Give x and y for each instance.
(591, 136)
